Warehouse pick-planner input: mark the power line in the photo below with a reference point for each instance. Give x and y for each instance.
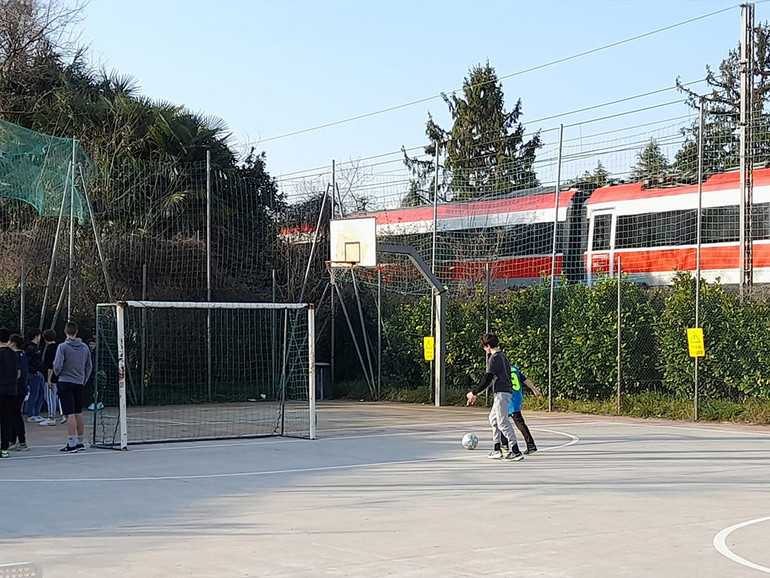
(525, 71)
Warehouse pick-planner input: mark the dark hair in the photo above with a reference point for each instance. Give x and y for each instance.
(489, 339)
(31, 334)
(17, 340)
(49, 335)
(5, 335)
(71, 328)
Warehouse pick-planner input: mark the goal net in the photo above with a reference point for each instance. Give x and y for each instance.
(174, 371)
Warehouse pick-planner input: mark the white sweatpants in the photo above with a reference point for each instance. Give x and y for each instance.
(499, 420)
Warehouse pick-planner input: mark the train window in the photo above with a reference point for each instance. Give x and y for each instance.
(760, 221)
(602, 229)
(720, 225)
(634, 231)
(656, 229)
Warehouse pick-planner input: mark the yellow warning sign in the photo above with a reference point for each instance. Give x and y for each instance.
(695, 342)
(428, 348)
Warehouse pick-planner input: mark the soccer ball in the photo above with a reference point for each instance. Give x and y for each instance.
(470, 441)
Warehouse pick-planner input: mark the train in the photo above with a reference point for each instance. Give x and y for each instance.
(649, 233)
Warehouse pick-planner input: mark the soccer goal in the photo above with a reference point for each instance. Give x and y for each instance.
(176, 371)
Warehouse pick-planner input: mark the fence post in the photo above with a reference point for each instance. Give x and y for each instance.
(620, 330)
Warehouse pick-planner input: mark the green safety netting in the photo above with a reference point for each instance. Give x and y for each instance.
(37, 169)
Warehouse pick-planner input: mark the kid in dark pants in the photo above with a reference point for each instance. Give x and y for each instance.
(517, 379)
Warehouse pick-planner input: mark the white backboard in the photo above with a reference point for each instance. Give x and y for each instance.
(353, 241)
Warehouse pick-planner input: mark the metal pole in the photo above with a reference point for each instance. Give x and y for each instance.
(344, 308)
(620, 318)
(553, 271)
(97, 240)
(486, 318)
(208, 273)
(433, 258)
(334, 188)
(22, 296)
(333, 336)
(49, 280)
(313, 245)
(311, 367)
(142, 377)
(274, 334)
(747, 83)
(698, 248)
(364, 334)
(435, 212)
(439, 385)
(379, 332)
(120, 327)
(71, 267)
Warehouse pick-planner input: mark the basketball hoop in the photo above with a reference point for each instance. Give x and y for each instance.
(338, 268)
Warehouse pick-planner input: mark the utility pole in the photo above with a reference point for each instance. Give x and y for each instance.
(746, 64)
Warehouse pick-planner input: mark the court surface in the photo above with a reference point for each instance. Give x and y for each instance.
(387, 490)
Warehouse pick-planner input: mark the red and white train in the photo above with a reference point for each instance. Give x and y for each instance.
(651, 230)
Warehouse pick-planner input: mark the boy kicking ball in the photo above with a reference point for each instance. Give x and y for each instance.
(498, 375)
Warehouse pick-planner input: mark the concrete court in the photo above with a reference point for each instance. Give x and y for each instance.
(387, 490)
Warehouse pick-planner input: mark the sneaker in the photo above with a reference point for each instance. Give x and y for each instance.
(68, 449)
(64, 420)
(4, 454)
(47, 422)
(34, 419)
(97, 406)
(530, 451)
(19, 447)
(80, 447)
(495, 455)
(511, 457)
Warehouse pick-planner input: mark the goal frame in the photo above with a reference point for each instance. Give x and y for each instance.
(120, 325)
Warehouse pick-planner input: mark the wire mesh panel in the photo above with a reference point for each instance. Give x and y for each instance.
(201, 371)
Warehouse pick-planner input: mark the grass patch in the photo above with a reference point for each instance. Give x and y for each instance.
(644, 405)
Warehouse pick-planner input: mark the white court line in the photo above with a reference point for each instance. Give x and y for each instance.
(721, 546)
(573, 440)
(252, 441)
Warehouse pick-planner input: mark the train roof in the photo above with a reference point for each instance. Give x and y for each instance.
(636, 191)
(491, 207)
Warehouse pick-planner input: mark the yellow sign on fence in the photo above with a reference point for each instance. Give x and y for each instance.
(695, 342)
(428, 346)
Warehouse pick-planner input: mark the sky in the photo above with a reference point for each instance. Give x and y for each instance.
(270, 68)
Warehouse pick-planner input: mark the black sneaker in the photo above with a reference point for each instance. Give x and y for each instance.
(530, 451)
(68, 449)
(80, 447)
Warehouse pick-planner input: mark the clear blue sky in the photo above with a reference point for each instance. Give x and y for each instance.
(273, 67)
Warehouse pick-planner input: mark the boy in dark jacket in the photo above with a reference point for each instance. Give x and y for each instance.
(36, 380)
(18, 434)
(9, 375)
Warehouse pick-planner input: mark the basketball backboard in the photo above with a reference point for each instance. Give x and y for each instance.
(353, 242)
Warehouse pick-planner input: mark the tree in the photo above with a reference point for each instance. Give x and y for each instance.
(651, 163)
(600, 176)
(485, 150)
(721, 121)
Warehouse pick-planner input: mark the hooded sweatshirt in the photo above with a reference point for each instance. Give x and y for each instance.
(73, 361)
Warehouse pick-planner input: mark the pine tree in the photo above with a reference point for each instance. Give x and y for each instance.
(651, 163)
(485, 150)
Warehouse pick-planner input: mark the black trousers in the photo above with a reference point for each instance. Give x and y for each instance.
(8, 406)
(18, 433)
(518, 421)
